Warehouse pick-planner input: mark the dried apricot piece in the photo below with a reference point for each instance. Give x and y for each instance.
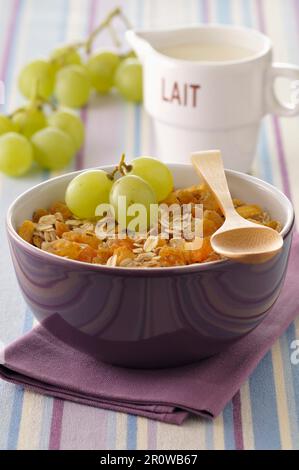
(63, 248)
(209, 227)
(61, 228)
(26, 230)
(214, 216)
(200, 255)
(161, 242)
(122, 253)
(249, 210)
(62, 208)
(38, 214)
(87, 238)
(87, 254)
(37, 241)
(103, 254)
(238, 202)
(273, 224)
(117, 242)
(210, 203)
(170, 256)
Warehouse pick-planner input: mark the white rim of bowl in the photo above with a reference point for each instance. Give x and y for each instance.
(143, 271)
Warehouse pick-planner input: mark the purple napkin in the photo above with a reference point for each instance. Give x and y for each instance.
(42, 363)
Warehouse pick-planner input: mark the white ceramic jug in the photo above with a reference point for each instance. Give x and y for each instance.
(198, 105)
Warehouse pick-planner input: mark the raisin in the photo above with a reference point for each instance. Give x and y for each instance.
(26, 231)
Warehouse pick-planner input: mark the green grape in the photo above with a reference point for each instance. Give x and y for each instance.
(129, 55)
(135, 190)
(7, 125)
(128, 79)
(86, 191)
(29, 121)
(156, 173)
(53, 148)
(101, 68)
(69, 122)
(72, 86)
(63, 56)
(37, 77)
(16, 155)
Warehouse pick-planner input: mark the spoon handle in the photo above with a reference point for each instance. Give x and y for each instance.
(209, 166)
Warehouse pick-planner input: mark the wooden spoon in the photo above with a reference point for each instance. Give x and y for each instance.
(237, 238)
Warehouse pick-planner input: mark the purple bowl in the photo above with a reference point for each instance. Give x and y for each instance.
(152, 318)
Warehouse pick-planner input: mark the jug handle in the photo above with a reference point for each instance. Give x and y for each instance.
(139, 45)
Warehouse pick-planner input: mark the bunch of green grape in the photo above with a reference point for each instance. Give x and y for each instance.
(70, 80)
(63, 82)
(29, 136)
(145, 181)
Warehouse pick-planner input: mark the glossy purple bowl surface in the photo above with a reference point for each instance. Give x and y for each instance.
(149, 318)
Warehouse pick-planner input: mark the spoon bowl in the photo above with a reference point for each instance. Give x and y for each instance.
(237, 238)
(248, 244)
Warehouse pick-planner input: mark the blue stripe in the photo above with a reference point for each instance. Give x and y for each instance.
(17, 398)
(33, 45)
(209, 433)
(264, 406)
(8, 77)
(263, 147)
(132, 432)
(132, 420)
(229, 437)
(111, 430)
(14, 427)
(223, 11)
(262, 386)
(264, 154)
(247, 14)
(46, 423)
(15, 420)
(200, 8)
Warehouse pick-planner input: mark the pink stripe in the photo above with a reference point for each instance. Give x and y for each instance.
(205, 11)
(84, 114)
(56, 424)
(152, 434)
(237, 419)
(9, 38)
(260, 16)
(281, 157)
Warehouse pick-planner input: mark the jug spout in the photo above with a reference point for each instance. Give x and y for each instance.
(140, 46)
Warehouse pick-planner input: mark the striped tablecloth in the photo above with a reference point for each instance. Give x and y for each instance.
(265, 413)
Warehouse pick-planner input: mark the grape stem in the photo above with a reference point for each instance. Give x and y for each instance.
(38, 102)
(88, 44)
(121, 168)
(106, 23)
